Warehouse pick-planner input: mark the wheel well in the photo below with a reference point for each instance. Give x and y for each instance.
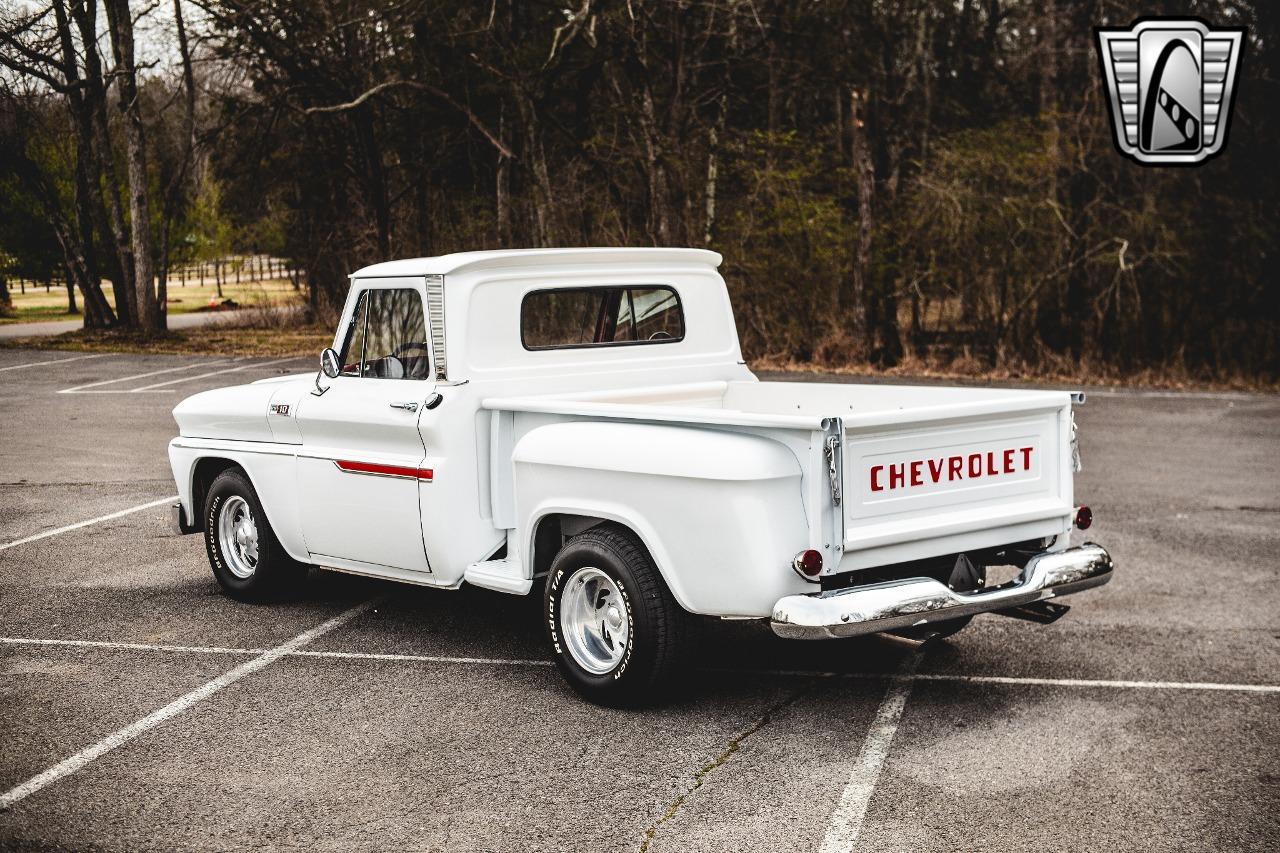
(206, 471)
(553, 530)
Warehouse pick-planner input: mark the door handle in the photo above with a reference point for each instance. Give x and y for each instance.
(408, 407)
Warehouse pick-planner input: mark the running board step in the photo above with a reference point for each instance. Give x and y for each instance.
(501, 575)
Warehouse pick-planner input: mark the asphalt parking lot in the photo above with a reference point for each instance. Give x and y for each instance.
(142, 710)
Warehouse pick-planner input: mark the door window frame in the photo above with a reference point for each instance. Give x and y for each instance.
(346, 326)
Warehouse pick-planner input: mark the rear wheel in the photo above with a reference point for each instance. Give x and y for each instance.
(617, 632)
(248, 560)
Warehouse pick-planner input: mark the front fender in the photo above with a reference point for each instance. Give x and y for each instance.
(271, 471)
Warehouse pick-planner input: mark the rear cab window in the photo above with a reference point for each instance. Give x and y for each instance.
(571, 317)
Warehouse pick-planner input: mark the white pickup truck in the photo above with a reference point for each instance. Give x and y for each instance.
(580, 423)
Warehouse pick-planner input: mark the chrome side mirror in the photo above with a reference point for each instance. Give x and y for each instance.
(330, 364)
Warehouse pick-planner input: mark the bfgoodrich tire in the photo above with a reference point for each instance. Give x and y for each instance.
(248, 560)
(618, 635)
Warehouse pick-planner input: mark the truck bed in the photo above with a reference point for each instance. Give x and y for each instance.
(922, 470)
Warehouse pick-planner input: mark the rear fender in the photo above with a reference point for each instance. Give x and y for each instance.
(721, 513)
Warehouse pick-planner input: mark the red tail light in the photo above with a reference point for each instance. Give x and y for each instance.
(1084, 517)
(808, 563)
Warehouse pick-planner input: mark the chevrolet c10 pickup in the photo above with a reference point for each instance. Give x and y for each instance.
(580, 424)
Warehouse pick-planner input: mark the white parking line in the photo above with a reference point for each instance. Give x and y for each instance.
(1104, 683)
(54, 361)
(214, 373)
(174, 708)
(80, 389)
(427, 658)
(845, 824)
(1101, 682)
(144, 647)
(80, 524)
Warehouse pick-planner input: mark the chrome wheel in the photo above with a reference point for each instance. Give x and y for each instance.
(593, 621)
(238, 536)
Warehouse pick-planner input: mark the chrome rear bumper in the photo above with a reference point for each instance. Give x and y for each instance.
(920, 601)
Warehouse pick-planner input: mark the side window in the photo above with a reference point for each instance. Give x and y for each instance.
(388, 338)
(600, 316)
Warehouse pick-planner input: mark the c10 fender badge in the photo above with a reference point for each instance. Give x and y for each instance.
(1170, 83)
(280, 409)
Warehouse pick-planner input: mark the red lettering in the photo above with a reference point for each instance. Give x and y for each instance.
(1026, 458)
(991, 464)
(935, 472)
(915, 473)
(897, 475)
(954, 464)
(975, 464)
(875, 478)
(1008, 461)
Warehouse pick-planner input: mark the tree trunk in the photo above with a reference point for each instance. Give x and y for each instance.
(107, 207)
(536, 159)
(502, 187)
(72, 308)
(655, 169)
(162, 285)
(86, 188)
(865, 174)
(120, 22)
(173, 195)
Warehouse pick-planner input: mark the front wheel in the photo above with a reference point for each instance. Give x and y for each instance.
(248, 560)
(617, 632)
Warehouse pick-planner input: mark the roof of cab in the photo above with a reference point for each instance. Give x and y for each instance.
(515, 258)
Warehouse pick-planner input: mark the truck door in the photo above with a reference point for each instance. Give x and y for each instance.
(362, 456)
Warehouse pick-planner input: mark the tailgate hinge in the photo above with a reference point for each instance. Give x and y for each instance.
(831, 450)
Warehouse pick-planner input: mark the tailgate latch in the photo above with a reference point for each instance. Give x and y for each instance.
(831, 450)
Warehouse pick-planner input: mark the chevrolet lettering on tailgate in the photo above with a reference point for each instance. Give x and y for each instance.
(948, 469)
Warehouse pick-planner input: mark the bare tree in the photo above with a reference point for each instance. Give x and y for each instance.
(120, 23)
(107, 208)
(45, 55)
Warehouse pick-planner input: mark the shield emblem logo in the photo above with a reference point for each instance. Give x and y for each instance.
(1170, 82)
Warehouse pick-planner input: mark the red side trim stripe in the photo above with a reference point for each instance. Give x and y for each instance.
(353, 467)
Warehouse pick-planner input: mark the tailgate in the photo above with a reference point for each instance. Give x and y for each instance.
(942, 479)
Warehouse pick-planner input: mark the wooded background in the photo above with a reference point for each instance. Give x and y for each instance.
(927, 181)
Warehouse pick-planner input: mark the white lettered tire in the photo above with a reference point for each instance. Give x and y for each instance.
(247, 559)
(618, 635)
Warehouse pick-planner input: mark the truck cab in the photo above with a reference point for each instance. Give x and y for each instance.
(580, 423)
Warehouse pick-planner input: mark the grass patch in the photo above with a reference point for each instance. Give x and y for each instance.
(209, 340)
(37, 306)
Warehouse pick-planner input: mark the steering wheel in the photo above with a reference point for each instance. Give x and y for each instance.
(415, 355)
(662, 335)
(413, 349)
